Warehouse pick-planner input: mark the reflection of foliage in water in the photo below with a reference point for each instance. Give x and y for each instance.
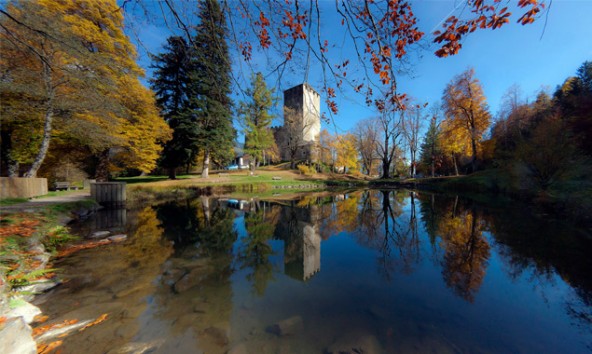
(383, 225)
(146, 244)
(528, 246)
(466, 252)
(542, 249)
(255, 250)
(195, 222)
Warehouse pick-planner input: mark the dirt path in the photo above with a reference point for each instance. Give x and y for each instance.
(73, 196)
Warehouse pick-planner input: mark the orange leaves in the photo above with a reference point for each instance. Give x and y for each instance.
(332, 106)
(75, 248)
(25, 228)
(330, 92)
(43, 329)
(263, 34)
(100, 319)
(48, 348)
(486, 16)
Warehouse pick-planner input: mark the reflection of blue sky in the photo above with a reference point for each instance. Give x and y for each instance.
(513, 54)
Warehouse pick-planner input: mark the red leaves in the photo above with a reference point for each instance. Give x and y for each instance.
(486, 16)
(295, 25)
(263, 34)
(332, 106)
(330, 92)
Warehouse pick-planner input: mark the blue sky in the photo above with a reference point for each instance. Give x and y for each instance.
(534, 56)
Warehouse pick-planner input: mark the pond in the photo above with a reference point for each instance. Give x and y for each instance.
(369, 271)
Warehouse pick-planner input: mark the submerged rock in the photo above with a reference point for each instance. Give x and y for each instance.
(117, 238)
(239, 349)
(100, 234)
(24, 310)
(16, 337)
(190, 280)
(355, 344)
(217, 335)
(287, 327)
(138, 347)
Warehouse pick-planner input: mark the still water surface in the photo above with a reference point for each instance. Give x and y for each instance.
(372, 271)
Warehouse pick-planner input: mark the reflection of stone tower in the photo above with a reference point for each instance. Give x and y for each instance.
(302, 242)
(302, 122)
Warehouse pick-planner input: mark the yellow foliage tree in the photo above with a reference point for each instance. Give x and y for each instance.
(80, 80)
(467, 115)
(347, 153)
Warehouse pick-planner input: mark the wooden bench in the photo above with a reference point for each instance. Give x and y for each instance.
(276, 178)
(64, 186)
(223, 174)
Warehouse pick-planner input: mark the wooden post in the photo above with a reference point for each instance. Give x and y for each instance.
(108, 193)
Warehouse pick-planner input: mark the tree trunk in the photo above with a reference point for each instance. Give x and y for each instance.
(12, 166)
(102, 173)
(455, 166)
(47, 126)
(386, 166)
(433, 168)
(206, 165)
(32, 172)
(474, 155)
(205, 202)
(172, 173)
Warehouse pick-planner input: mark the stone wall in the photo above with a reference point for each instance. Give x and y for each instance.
(20, 187)
(302, 122)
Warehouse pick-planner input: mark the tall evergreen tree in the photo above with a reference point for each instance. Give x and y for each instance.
(171, 83)
(430, 148)
(210, 88)
(257, 120)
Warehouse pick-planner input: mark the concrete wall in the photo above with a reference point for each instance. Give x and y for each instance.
(20, 187)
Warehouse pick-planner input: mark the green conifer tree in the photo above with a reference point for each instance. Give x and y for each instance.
(257, 120)
(210, 87)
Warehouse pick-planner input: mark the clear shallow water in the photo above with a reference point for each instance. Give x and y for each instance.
(380, 271)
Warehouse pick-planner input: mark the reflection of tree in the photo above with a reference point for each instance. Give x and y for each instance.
(197, 222)
(465, 252)
(383, 226)
(146, 244)
(255, 250)
(198, 274)
(344, 217)
(540, 250)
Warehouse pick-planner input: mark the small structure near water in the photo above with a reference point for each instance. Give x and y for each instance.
(110, 194)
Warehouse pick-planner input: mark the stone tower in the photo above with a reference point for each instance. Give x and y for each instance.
(302, 122)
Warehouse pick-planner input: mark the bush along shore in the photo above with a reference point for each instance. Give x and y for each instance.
(29, 239)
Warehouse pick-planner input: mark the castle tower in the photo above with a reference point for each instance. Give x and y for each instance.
(302, 120)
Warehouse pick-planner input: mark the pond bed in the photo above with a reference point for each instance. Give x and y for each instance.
(368, 271)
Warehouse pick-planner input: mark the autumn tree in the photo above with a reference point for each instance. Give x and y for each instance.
(210, 88)
(327, 154)
(256, 119)
(347, 153)
(79, 83)
(171, 83)
(367, 140)
(466, 110)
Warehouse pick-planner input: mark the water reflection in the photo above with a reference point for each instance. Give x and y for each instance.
(399, 271)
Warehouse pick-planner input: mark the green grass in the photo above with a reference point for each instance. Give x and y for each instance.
(12, 201)
(148, 179)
